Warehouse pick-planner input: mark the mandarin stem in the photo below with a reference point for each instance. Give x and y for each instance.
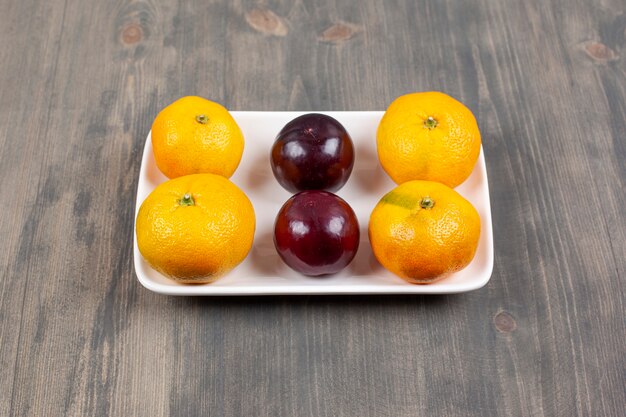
(427, 203)
(187, 200)
(430, 123)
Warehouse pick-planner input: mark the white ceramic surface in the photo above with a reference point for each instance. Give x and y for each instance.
(264, 273)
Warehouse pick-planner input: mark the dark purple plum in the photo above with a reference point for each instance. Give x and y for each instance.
(316, 233)
(312, 152)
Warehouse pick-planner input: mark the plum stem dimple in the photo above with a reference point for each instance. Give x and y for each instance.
(427, 203)
(187, 200)
(202, 119)
(430, 123)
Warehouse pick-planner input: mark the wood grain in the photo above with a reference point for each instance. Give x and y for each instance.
(80, 83)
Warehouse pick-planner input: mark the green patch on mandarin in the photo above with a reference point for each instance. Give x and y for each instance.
(406, 201)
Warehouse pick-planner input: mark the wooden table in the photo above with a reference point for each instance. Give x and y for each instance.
(80, 83)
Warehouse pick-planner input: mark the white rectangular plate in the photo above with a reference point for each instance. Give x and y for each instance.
(263, 272)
